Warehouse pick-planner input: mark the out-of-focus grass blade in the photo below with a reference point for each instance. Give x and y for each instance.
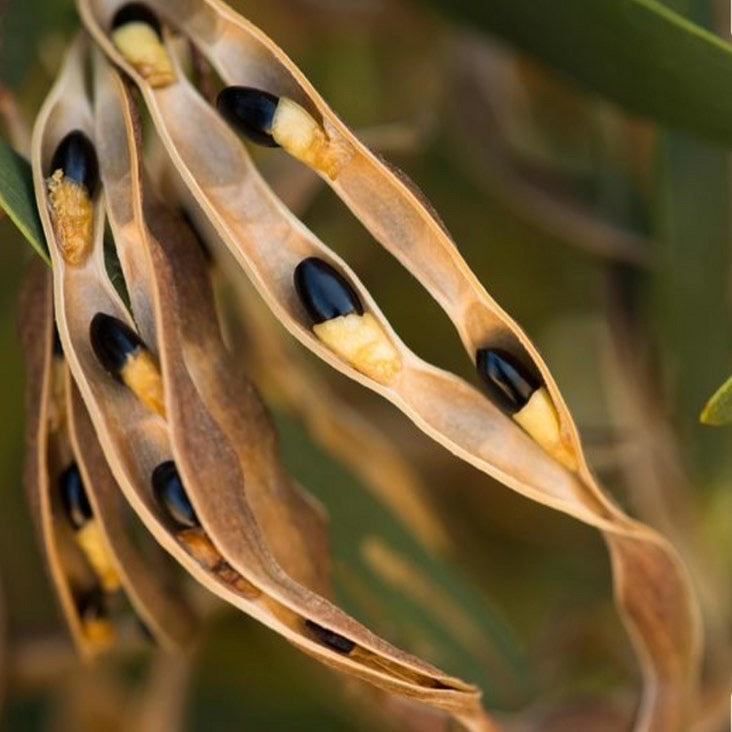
(690, 285)
(385, 578)
(640, 53)
(718, 410)
(17, 198)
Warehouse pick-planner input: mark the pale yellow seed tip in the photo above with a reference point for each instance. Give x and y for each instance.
(360, 340)
(92, 542)
(141, 374)
(143, 49)
(295, 130)
(72, 215)
(540, 419)
(99, 632)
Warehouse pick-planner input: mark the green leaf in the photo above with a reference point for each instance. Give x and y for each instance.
(640, 53)
(459, 631)
(18, 199)
(718, 410)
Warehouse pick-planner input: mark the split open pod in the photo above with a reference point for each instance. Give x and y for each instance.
(187, 438)
(517, 429)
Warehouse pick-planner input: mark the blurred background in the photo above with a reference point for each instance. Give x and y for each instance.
(597, 215)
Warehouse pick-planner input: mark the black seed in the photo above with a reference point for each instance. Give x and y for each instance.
(508, 383)
(250, 111)
(170, 494)
(329, 638)
(76, 157)
(324, 292)
(136, 13)
(113, 342)
(74, 498)
(58, 349)
(93, 606)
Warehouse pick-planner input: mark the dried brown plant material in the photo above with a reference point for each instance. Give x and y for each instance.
(651, 585)
(215, 430)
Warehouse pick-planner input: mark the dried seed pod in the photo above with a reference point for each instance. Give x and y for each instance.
(280, 122)
(648, 572)
(52, 446)
(175, 280)
(122, 353)
(136, 32)
(340, 322)
(72, 181)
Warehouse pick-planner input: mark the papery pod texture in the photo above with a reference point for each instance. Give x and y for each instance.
(144, 396)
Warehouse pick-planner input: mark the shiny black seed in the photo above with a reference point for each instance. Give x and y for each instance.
(136, 13)
(74, 498)
(324, 292)
(250, 111)
(170, 494)
(113, 342)
(58, 349)
(76, 157)
(508, 383)
(328, 638)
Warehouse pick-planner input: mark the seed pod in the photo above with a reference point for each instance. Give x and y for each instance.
(136, 32)
(74, 498)
(122, 353)
(280, 122)
(171, 495)
(327, 637)
(340, 322)
(72, 180)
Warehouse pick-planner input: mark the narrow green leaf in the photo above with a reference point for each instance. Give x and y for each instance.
(718, 410)
(18, 199)
(640, 53)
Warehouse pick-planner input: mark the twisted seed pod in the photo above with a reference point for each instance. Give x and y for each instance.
(58, 432)
(651, 585)
(230, 554)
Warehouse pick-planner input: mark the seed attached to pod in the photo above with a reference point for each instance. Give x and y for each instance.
(522, 395)
(73, 179)
(94, 615)
(74, 498)
(87, 531)
(281, 122)
(137, 34)
(340, 323)
(328, 638)
(122, 353)
(171, 496)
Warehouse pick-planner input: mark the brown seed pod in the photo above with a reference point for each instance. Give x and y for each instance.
(88, 548)
(651, 585)
(195, 435)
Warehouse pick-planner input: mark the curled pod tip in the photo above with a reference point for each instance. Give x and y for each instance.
(74, 498)
(171, 496)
